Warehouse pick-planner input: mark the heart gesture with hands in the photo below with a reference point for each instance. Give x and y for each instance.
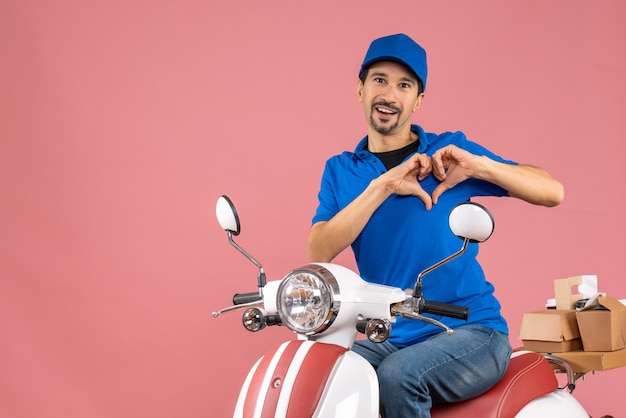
(404, 178)
(451, 165)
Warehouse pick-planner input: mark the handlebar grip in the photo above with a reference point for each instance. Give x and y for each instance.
(241, 298)
(446, 309)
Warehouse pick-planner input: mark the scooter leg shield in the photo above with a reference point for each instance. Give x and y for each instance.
(304, 378)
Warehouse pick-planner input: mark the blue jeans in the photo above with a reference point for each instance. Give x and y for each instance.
(443, 368)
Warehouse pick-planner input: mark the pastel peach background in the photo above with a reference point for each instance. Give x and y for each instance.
(122, 121)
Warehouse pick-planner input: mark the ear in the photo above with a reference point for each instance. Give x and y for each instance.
(418, 102)
(359, 91)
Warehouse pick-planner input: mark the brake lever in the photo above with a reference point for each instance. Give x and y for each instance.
(406, 309)
(238, 307)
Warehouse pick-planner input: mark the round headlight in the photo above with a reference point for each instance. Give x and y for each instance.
(307, 300)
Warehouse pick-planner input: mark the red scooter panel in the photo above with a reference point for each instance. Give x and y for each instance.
(296, 372)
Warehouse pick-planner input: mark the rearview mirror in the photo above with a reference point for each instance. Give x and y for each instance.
(471, 221)
(227, 215)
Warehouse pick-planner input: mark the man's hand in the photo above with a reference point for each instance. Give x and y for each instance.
(329, 238)
(403, 179)
(451, 165)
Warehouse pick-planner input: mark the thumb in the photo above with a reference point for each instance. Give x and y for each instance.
(424, 197)
(439, 190)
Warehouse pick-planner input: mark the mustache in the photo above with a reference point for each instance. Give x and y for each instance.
(385, 104)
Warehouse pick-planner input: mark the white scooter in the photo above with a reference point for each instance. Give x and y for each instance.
(327, 305)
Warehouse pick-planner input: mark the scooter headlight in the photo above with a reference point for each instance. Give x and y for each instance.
(308, 299)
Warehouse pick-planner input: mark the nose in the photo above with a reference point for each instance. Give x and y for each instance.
(389, 93)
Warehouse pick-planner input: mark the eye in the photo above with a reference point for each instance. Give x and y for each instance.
(379, 80)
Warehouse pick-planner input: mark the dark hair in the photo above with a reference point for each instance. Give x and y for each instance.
(420, 85)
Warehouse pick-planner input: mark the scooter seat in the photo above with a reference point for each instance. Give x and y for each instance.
(528, 377)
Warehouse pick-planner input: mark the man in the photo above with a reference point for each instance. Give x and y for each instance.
(390, 200)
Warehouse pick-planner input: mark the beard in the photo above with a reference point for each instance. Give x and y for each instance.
(383, 129)
(388, 126)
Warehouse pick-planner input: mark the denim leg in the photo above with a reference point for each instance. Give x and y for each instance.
(443, 368)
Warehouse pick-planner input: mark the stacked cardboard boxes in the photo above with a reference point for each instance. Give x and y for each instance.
(589, 339)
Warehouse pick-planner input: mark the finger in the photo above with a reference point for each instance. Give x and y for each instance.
(424, 172)
(424, 160)
(439, 171)
(422, 195)
(439, 190)
(410, 167)
(425, 197)
(437, 163)
(426, 166)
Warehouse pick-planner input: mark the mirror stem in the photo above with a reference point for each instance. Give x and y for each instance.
(417, 291)
(261, 276)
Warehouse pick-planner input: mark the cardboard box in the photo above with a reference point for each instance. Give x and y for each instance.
(602, 325)
(588, 361)
(586, 285)
(550, 331)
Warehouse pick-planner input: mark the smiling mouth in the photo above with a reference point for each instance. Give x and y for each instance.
(385, 109)
(385, 113)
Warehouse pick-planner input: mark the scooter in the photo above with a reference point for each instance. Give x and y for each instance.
(328, 305)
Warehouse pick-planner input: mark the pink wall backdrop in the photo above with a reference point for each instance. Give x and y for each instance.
(121, 123)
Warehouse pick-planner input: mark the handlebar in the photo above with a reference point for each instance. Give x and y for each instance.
(444, 309)
(243, 298)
